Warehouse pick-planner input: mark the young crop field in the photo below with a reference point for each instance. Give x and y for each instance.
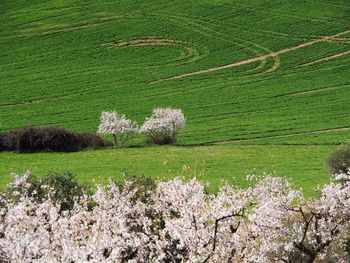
(215, 165)
(263, 84)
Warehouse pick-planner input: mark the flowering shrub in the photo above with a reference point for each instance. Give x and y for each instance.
(117, 125)
(67, 189)
(163, 125)
(268, 222)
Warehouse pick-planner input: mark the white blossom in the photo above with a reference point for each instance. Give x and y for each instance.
(117, 125)
(342, 177)
(163, 125)
(267, 222)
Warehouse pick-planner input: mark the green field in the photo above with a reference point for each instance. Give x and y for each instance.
(63, 62)
(213, 164)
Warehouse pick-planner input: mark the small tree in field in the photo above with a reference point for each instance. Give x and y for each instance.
(117, 125)
(163, 126)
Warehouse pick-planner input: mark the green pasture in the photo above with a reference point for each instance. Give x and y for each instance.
(61, 65)
(303, 166)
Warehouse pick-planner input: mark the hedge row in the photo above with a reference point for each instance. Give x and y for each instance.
(35, 139)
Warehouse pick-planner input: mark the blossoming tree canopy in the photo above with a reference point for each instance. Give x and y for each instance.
(267, 222)
(163, 125)
(117, 125)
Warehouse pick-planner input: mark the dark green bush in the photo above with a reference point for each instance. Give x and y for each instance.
(144, 185)
(339, 160)
(347, 246)
(162, 139)
(296, 256)
(66, 190)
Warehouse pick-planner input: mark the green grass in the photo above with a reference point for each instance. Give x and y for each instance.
(304, 166)
(59, 67)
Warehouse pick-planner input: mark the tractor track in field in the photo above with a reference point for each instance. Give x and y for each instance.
(280, 136)
(147, 41)
(255, 59)
(312, 91)
(203, 28)
(324, 59)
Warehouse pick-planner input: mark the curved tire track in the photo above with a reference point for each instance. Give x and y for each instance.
(255, 59)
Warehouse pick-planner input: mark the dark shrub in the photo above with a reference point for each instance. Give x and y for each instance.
(142, 184)
(31, 139)
(297, 256)
(162, 139)
(66, 190)
(3, 146)
(347, 246)
(339, 160)
(89, 140)
(34, 139)
(10, 140)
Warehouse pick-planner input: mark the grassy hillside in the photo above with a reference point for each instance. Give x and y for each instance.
(265, 72)
(60, 64)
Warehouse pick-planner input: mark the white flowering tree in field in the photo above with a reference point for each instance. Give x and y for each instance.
(118, 126)
(163, 126)
(179, 222)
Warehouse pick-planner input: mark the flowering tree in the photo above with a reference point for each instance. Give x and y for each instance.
(164, 124)
(117, 125)
(268, 222)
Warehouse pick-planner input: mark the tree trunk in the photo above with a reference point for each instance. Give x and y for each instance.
(115, 139)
